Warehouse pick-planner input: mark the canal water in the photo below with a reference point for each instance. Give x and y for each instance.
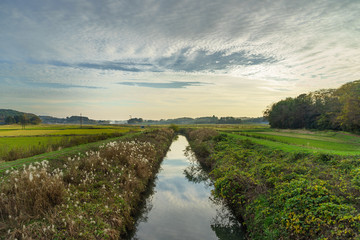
(181, 206)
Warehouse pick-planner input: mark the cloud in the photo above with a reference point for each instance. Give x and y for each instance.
(58, 85)
(202, 60)
(163, 85)
(107, 65)
(184, 60)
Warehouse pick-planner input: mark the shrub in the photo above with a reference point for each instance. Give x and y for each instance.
(174, 127)
(201, 134)
(309, 209)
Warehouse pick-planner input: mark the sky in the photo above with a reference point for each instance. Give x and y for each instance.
(158, 59)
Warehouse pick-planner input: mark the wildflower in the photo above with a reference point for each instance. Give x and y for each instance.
(30, 177)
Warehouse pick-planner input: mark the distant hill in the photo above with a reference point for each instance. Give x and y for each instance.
(9, 116)
(71, 120)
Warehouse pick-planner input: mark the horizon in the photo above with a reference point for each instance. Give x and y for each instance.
(168, 59)
(145, 119)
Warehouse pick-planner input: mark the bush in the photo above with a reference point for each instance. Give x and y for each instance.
(308, 209)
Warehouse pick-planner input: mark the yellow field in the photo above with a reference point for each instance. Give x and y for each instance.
(56, 130)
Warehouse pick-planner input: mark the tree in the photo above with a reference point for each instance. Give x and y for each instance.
(135, 120)
(349, 98)
(337, 109)
(34, 120)
(23, 120)
(9, 120)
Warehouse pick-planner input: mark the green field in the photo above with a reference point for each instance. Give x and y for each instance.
(64, 130)
(35, 139)
(329, 142)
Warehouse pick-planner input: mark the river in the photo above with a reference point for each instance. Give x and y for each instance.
(181, 206)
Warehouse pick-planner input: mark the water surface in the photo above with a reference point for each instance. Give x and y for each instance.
(181, 205)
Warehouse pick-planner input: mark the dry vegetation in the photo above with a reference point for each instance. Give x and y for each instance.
(93, 196)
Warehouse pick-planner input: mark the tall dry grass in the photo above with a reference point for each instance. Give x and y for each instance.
(29, 194)
(93, 196)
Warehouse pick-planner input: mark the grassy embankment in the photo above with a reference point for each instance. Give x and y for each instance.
(17, 143)
(90, 195)
(327, 142)
(286, 190)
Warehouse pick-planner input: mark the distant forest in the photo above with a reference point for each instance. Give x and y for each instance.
(8, 116)
(336, 109)
(200, 120)
(71, 120)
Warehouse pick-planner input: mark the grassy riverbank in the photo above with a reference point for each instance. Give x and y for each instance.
(92, 195)
(283, 194)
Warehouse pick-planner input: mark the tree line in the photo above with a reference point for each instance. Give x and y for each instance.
(336, 109)
(9, 116)
(200, 120)
(22, 119)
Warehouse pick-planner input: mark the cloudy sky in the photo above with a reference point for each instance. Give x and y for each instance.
(172, 58)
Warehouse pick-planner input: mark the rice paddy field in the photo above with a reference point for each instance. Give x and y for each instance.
(62, 130)
(18, 143)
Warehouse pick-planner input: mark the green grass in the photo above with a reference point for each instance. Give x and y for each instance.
(328, 142)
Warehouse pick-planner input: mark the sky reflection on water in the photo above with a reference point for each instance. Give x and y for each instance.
(181, 206)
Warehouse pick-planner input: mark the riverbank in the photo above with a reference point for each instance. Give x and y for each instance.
(93, 195)
(282, 195)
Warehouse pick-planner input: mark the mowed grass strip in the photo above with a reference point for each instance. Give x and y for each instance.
(329, 136)
(317, 147)
(328, 144)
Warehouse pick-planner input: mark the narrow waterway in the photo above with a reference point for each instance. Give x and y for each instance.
(181, 206)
